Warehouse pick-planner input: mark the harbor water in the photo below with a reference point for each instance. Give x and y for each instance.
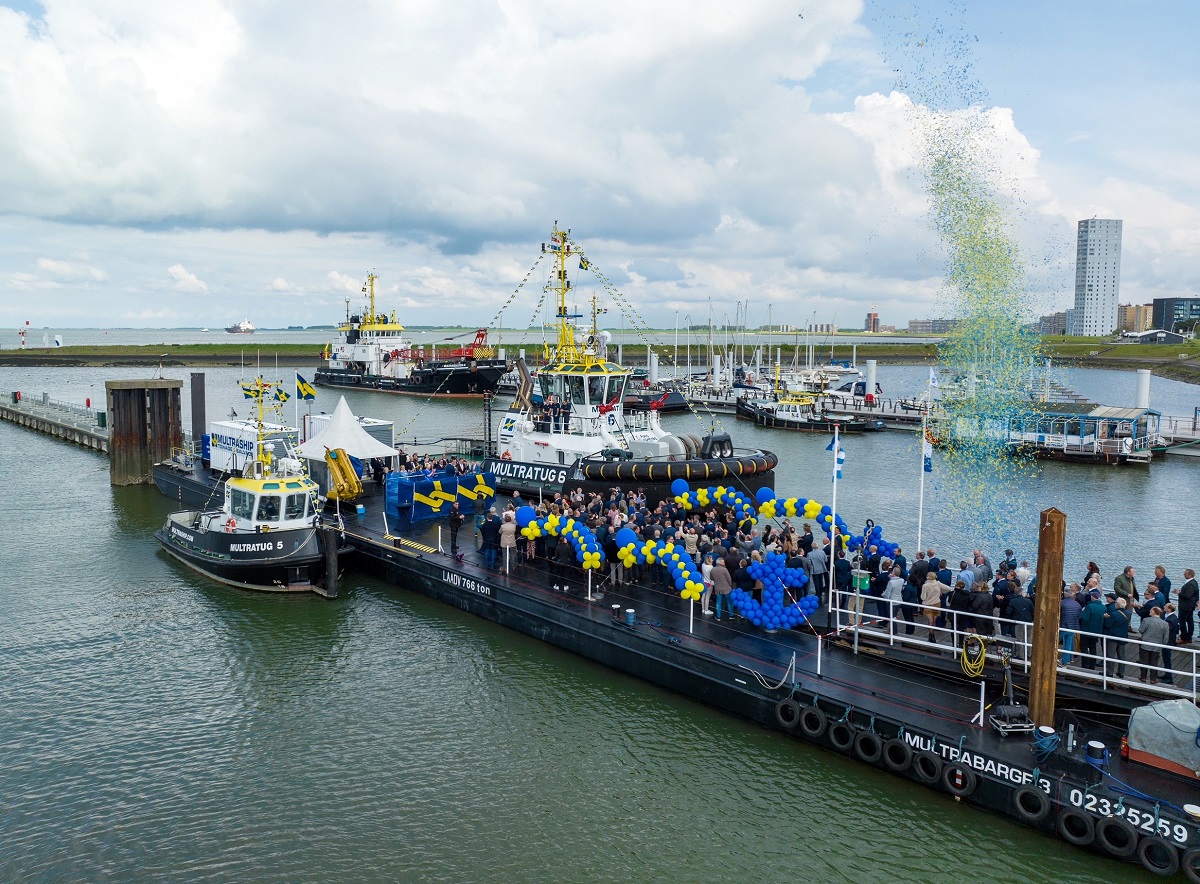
(156, 726)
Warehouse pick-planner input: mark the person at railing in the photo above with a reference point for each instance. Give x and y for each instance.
(879, 585)
(1001, 590)
(932, 592)
(841, 578)
(1153, 632)
(1189, 593)
(960, 607)
(1155, 598)
(818, 559)
(722, 586)
(1019, 608)
(981, 607)
(893, 596)
(1117, 617)
(1093, 570)
(1163, 582)
(1024, 575)
(1091, 627)
(1172, 621)
(1068, 622)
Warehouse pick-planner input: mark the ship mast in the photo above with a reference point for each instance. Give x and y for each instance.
(369, 289)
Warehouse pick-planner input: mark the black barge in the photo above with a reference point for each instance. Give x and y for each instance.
(912, 721)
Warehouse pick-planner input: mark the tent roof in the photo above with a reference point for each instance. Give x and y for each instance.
(343, 431)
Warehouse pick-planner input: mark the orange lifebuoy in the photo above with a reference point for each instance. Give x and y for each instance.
(506, 456)
(231, 525)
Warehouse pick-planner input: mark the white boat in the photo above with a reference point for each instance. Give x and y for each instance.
(242, 328)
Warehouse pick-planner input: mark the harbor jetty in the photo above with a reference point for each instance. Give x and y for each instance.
(80, 424)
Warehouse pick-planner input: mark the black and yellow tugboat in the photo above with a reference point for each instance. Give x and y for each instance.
(374, 354)
(266, 533)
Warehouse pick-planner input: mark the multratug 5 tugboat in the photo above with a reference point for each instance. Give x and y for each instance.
(580, 434)
(265, 534)
(373, 354)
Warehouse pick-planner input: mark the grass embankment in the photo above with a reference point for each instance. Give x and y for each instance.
(167, 354)
(1177, 361)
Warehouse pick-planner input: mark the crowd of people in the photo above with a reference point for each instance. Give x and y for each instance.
(927, 593)
(1095, 624)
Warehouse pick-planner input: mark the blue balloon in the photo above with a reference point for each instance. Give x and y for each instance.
(525, 515)
(626, 536)
(764, 494)
(679, 487)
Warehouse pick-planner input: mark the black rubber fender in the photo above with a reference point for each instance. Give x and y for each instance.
(1117, 836)
(841, 735)
(813, 722)
(927, 767)
(868, 747)
(1191, 865)
(1031, 804)
(897, 755)
(1076, 827)
(1158, 855)
(959, 780)
(787, 713)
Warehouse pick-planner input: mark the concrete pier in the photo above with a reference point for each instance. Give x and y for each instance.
(59, 419)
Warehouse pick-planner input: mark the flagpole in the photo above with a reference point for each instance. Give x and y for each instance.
(296, 403)
(833, 505)
(921, 449)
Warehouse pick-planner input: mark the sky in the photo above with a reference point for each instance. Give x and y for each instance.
(171, 165)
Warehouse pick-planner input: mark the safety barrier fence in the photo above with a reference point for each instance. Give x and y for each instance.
(1129, 662)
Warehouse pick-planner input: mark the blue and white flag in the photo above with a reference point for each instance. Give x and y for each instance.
(928, 449)
(839, 460)
(933, 381)
(832, 443)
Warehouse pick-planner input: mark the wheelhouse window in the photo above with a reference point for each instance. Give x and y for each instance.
(575, 383)
(241, 504)
(596, 390)
(295, 506)
(268, 508)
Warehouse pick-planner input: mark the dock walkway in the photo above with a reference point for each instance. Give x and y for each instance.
(63, 420)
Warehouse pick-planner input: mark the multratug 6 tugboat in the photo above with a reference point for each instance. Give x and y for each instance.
(580, 435)
(373, 354)
(265, 535)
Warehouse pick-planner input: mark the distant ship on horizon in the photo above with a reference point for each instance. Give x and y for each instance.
(242, 328)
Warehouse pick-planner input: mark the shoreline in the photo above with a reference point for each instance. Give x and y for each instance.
(1178, 367)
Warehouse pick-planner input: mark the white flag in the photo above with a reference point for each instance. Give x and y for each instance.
(933, 377)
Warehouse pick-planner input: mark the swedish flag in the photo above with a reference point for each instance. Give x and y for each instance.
(304, 389)
(583, 263)
(281, 394)
(250, 391)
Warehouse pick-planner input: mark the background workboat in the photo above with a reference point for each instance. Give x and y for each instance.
(373, 354)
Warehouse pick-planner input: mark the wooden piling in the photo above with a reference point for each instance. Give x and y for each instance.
(1043, 672)
(330, 538)
(145, 424)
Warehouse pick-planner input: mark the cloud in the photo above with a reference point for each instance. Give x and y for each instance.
(72, 271)
(186, 281)
(700, 151)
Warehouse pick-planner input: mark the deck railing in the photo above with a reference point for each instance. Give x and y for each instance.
(1169, 671)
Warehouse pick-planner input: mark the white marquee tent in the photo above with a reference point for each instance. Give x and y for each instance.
(343, 431)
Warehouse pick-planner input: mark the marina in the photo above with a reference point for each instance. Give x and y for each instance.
(823, 671)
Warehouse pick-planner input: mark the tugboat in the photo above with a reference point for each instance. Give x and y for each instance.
(373, 354)
(241, 328)
(580, 434)
(265, 535)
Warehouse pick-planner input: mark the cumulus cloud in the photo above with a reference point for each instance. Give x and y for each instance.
(71, 271)
(185, 280)
(437, 142)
